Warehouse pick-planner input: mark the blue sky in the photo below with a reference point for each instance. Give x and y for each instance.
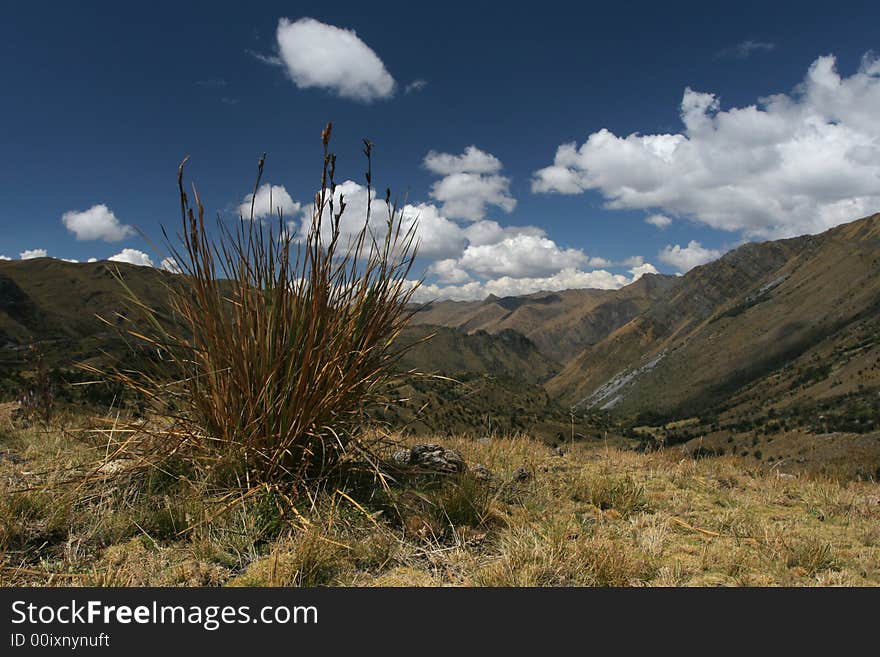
(100, 105)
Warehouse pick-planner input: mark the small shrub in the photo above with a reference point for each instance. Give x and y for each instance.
(313, 558)
(621, 493)
(462, 501)
(609, 563)
(813, 555)
(37, 402)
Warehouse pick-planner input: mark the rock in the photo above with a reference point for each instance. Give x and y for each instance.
(432, 457)
(13, 458)
(558, 451)
(402, 456)
(481, 472)
(522, 474)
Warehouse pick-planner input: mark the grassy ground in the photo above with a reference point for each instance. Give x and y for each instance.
(594, 516)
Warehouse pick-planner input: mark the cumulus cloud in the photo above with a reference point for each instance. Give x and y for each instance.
(477, 258)
(30, 254)
(467, 195)
(473, 160)
(790, 164)
(269, 200)
(487, 231)
(660, 221)
(521, 256)
(640, 270)
(449, 271)
(96, 223)
(503, 286)
(328, 57)
(470, 184)
(685, 258)
(632, 261)
(436, 235)
(132, 257)
(3, 257)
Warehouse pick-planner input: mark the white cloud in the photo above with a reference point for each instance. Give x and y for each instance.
(328, 57)
(30, 254)
(96, 223)
(132, 257)
(470, 183)
(414, 86)
(660, 221)
(791, 164)
(270, 199)
(467, 195)
(92, 260)
(567, 279)
(487, 231)
(437, 236)
(640, 270)
(3, 257)
(170, 265)
(473, 160)
(514, 259)
(521, 256)
(632, 261)
(72, 260)
(685, 258)
(449, 271)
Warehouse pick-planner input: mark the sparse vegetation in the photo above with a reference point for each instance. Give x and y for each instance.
(594, 517)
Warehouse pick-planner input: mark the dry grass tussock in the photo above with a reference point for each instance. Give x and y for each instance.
(593, 517)
(276, 341)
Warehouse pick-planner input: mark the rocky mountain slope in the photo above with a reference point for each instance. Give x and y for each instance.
(560, 324)
(765, 309)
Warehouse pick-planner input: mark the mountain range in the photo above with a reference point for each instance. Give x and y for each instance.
(778, 338)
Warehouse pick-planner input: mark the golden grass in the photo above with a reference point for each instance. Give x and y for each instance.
(594, 517)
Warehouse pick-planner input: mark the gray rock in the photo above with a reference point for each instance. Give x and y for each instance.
(481, 472)
(522, 474)
(402, 456)
(13, 458)
(432, 457)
